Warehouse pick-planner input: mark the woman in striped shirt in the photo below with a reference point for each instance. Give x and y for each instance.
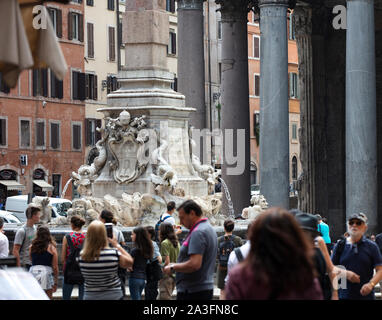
(99, 264)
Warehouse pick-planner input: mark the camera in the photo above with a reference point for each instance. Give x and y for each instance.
(109, 230)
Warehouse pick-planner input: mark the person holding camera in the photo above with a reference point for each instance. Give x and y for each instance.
(108, 219)
(99, 264)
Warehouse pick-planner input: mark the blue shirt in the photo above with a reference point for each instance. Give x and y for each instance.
(324, 229)
(361, 258)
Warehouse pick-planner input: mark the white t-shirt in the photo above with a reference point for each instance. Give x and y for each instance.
(4, 245)
(233, 261)
(170, 220)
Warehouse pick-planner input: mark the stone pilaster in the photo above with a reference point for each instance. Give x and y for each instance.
(302, 20)
(361, 145)
(274, 108)
(234, 99)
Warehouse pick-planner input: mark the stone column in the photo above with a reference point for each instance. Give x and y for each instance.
(361, 145)
(235, 101)
(274, 108)
(191, 77)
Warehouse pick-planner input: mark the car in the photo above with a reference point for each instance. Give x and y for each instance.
(255, 189)
(18, 204)
(8, 217)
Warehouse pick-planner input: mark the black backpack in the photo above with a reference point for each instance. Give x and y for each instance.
(158, 225)
(323, 276)
(226, 246)
(72, 273)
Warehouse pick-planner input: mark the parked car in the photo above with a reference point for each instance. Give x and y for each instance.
(8, 217)
(255, 189)
(18, 204)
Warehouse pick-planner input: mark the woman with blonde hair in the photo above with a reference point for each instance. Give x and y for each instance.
(43, 254)
(99, 264)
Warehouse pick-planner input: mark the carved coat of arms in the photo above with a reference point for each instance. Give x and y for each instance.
(127, 139)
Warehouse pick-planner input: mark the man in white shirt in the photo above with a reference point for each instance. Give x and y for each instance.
(167, 217)
(4, 243)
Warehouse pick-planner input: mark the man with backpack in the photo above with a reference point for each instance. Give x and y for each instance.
(360, 257)
(24, 237)
(226, 244)
(166, 218)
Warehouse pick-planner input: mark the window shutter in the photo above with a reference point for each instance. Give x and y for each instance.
(290, 84)
(174, 43)
(95, 93)
(98, 134)
(81, 27)
(87, 89)
(74, 85)
(59, 23)
(40, 134)
(59, 89)
(44, 82)
(90, 40)
(70, 26)
(176, 84)
(172, 6)
(111, 44)
(81, 86)
(88, 138)
(3, 126)
(297, 87)
(34, 81)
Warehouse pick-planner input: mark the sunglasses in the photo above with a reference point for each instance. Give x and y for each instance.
(357, 222)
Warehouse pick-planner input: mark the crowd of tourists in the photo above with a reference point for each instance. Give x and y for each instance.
(286, 255)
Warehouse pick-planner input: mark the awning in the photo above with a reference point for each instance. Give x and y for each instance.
(45, 186)
(12, 185)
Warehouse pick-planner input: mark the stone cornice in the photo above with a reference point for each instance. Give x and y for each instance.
(190, 4)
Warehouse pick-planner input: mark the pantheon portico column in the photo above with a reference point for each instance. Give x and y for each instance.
(191, 75)
(361, 134)
(235, 102)
(274, 109)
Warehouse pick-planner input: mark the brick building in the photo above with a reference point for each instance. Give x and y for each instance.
(42, 119)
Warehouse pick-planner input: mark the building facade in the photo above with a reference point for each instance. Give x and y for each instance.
(42, 118)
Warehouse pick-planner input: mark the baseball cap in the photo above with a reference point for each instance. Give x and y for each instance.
(308, 222)
(360, 216)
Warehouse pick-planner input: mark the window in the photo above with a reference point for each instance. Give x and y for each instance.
(56, 182)
(3, 132)
(56, 86)
(170, 5)
(112, 84)
(171, 48)
(294, 168)
(292, 31)
(40, 133)
(75, 26)
(55, 140)
(293, 86)
(111, 44)
(219, 30)
(25, 133)
(90, 3)
(78, 85)
(256, 47)
(220, 72)
(56, 18)
(110, 5)
(91, 86)
(257, 85)
(92, 135)
(90, 30)
(76, 136)
(40, 82)
(294, 131)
